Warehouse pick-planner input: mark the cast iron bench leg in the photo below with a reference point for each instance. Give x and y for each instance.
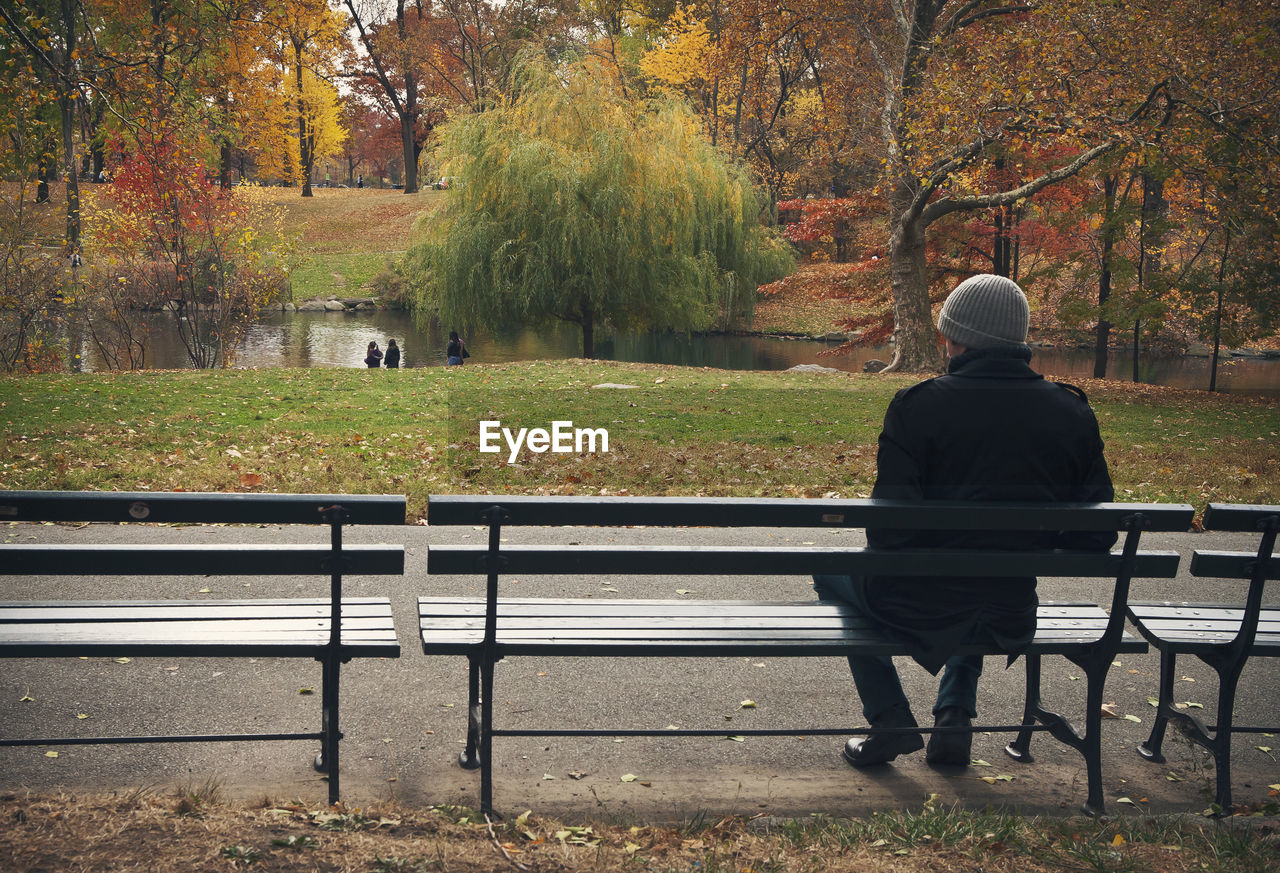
(486, 736)
(327, 760)
(1020, 748)
(468, 758)
(1091, 745)
(1151, 749)
(1228, 676)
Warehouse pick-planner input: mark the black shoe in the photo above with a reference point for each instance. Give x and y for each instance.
(950, 749)
(883, 748)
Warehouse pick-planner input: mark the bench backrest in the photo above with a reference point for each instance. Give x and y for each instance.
(1258, 567)
(563, 558)
(232, 558)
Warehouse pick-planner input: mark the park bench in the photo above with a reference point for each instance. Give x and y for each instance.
(1223, 635)
(332, 629)
(488, 629)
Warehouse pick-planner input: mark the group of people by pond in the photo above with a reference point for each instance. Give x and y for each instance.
(374, 357)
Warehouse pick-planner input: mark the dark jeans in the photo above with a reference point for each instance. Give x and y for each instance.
(877, 679)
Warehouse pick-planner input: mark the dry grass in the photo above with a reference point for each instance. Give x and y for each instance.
(191, 833)
(338, 220)
(797, 309)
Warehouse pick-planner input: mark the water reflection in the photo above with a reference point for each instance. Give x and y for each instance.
(336, 339)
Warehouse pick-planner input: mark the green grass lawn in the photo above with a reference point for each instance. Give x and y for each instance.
(680, 431)
(348, 235)
(338, 274)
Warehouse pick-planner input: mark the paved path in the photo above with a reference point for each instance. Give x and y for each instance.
(404, 719)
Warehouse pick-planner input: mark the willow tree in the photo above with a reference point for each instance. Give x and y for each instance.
(571, 202)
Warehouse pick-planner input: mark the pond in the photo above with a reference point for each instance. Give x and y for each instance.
(336, 339)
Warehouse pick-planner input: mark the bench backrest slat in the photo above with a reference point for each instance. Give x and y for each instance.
(1237, 516)
(782, 513)
(1231, 565)
(198, 508)
(239, 559)
(735, 561)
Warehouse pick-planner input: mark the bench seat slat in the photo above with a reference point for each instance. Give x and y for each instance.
(745, 561)
(672, 628)
(256, 601)
(295, 628)
(249, 647)
(173, 610)
(537, 606)
(1200, 627)
(663, 624)
(466, 645)
(244, 559)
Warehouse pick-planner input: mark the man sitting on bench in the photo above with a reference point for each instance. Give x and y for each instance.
(991, 429)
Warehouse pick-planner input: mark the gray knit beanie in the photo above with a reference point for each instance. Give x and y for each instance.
(985, 311)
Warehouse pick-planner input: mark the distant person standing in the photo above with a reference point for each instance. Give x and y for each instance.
(373, 356)
(392, 358)
(455, 351)
(360, 184)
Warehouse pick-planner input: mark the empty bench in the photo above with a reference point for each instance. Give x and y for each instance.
(332, 629)
(1223, 635)
(487, 630)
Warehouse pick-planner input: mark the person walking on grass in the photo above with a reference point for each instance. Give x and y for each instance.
(993, 429)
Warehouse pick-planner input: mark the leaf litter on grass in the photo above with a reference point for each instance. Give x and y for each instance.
(149, 831)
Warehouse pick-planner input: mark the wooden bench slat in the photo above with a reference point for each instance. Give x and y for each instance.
(256, 601)
(629, 606)
(464, 644)
(800, 512)
(198, 507)
(172, 610)
(374, 647)
(1207, 617)
(659, 624)
(1264, 645)
(246, 559)
(746, 561)
(1230, 565)
(1240, 517)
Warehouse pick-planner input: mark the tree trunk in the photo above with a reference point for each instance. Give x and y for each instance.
(588, 331)
(408, 124)
(410, 154)
(1102, 341)
(916, 344)
(43, 172)
(1217, 315)
(304, 141)
(68, 102)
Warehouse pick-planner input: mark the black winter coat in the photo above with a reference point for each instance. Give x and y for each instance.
(992, 429)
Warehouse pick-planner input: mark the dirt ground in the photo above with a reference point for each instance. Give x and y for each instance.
(194, 831)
